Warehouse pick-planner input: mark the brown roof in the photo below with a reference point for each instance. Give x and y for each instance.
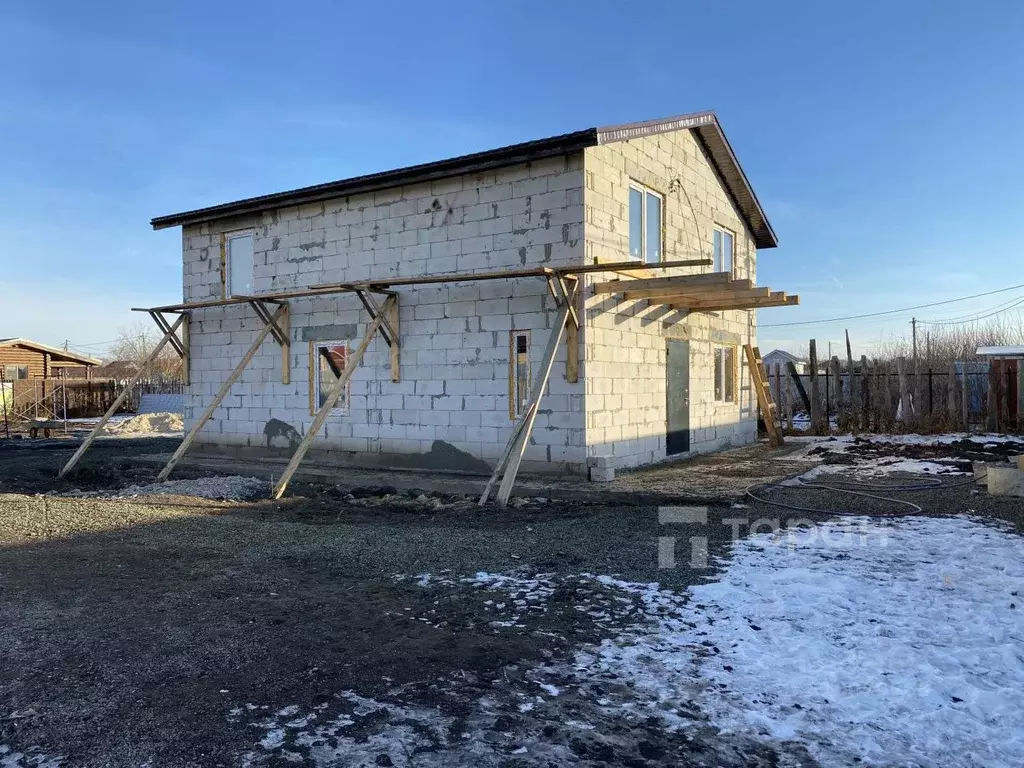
(705, 126)
(57, 355)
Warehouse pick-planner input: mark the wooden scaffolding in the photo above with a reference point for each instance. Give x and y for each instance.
(694, 293)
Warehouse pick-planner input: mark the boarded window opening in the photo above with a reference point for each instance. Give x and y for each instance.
(519, 372)
(725, 374)
(331, 359)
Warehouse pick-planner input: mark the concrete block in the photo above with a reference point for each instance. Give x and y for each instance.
(602, 474)
(1005, 481)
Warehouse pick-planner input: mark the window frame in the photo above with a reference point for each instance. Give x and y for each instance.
(515, 409)
(720, 394)
(644, 191)
(226, 260)
(719, 229)
(315, 381)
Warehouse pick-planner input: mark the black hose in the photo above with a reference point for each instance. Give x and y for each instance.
(854, 488)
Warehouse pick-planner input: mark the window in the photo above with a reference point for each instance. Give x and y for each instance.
(330, 360)
(14, 372)
(725, 374)
(518, 372)
(239, 263)
(644, 224)
(723, 250)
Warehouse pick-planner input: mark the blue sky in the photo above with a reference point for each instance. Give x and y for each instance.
(883, 138)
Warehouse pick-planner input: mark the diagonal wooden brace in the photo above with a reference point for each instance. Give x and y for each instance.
(564, 289)
(332, 397)
(221, 394)
(143, 370)
(279, 328)
(389, 329)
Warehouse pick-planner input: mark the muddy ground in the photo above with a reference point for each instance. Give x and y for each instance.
(175, 631)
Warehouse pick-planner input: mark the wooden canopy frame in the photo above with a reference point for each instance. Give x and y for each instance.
(273, 310)
(710, 292)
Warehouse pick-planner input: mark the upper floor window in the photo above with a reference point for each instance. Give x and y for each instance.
(239, 264)
(723, 250)
(644, 224)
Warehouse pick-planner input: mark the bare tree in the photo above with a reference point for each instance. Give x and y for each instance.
(136, 343)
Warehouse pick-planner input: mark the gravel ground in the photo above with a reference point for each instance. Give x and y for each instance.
(179, 631)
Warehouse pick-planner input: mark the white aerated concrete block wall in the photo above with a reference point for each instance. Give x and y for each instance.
(451, 407)
(625, 343)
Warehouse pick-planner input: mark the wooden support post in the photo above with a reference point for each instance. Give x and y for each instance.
(332, 397)
(224, 389)
(951, 410)
(278, 324)
(572, 330)
(512, 456)
(906, 406)
(854, 410)
(887, 396)
(186, 344)
(388, 328)
(838, 396)
(992, 420)
(865, 393)
(815, 391)
(965, 399)
(789, 401)
(143, 370)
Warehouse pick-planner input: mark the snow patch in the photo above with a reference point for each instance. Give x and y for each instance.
(902, 649)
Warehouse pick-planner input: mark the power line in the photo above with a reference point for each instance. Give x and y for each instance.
(1016, 303)
(891, 311)
(968, 316)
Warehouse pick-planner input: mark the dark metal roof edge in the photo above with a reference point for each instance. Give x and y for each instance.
(373, 182)
(706, 126)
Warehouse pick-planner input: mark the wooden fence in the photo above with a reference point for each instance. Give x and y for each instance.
(887, 397)
(57, 399)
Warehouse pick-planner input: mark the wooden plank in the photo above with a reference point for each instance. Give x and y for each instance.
(965, 399)
(388, 329)
(391, 318)
(143, 370)
(572, 332)
(284, 324)
(518, 447)
(221, 394)
(865, 393)
(815, 400)
(854, 394)
(513, 439)
(721, 306)
(186, 344)
(759, 381)
(720, 284)
(951, 410)
(906, 408)
(795, 378)
(351, 364)
(684, 281)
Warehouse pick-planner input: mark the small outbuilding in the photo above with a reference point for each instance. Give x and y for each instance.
(1006, 404)
(26, 359)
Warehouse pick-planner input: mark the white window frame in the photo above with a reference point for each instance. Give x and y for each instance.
(717, 266)
(720, 397)
(228, 237)
(644, 192)
(346, 398)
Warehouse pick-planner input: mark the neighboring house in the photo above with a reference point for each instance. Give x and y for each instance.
(25, 359)
(782, 358)
(653, 379)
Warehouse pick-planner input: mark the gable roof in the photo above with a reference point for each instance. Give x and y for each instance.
(58, 355)
(705, 127)
(788, 356)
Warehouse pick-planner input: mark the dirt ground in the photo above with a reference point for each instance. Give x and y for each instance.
(176, 631)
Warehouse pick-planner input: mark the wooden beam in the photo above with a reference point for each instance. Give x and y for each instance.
(332, 397)
(691, 289)
(388, 328)
(725, 304)
(143, 370)
(186, 344)
(572, 331)
(618, 286)
(382, 286)
(280, 328)
(221, 394)
(512, 456)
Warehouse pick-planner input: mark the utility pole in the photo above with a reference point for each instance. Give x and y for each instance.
(913, 326)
